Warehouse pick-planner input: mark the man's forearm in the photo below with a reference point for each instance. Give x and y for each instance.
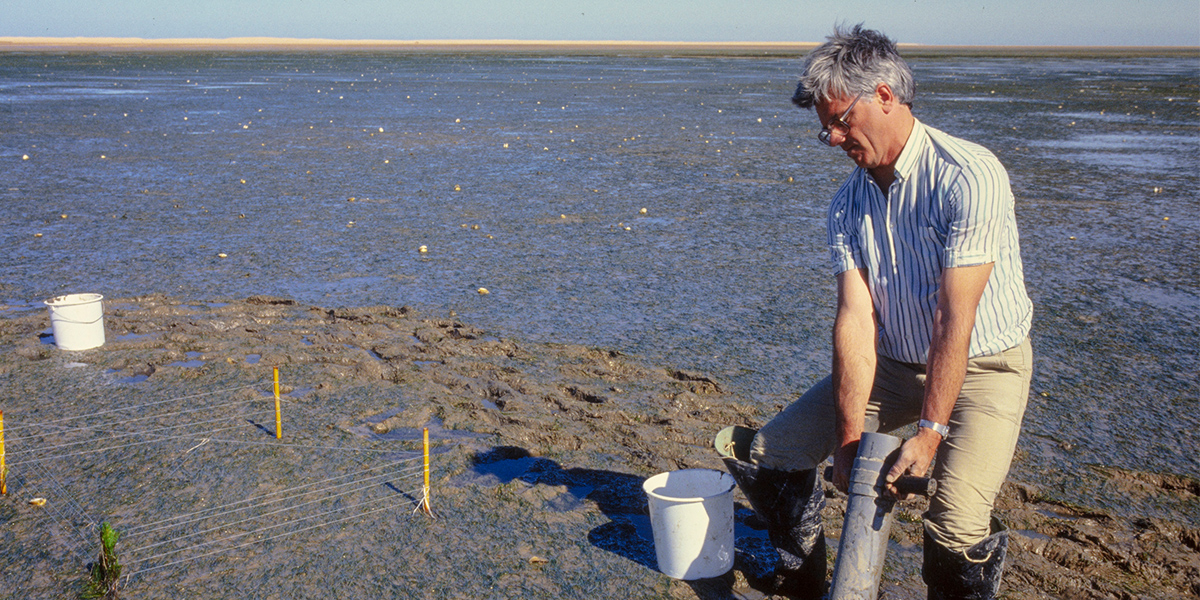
(853, 374)
(946, 364)
(946, 368)
(854, 333)
(950, 344)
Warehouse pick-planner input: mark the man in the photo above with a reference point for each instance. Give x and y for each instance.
(932, 327)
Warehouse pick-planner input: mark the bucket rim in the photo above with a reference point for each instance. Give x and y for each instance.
(723, 477)
(74, 299)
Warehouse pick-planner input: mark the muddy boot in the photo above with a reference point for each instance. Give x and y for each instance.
(973, 575)
(789, 503)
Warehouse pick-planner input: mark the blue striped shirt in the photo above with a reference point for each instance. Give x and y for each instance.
(950, 206)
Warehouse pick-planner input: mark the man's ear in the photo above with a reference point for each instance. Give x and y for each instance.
(887, 98)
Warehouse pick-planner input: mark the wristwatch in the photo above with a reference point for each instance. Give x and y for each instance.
(938, 428)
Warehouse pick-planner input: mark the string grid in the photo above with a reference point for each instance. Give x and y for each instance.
(39, 451)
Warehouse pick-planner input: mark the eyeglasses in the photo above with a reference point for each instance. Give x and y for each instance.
(825, 137)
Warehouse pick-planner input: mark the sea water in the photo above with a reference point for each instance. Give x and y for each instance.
(667, 207)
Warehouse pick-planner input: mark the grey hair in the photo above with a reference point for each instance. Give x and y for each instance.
(850, 63)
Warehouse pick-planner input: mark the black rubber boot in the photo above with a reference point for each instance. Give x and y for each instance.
(790, 504)
(973, 575)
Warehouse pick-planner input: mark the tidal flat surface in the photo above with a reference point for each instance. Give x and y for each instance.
(318, 176)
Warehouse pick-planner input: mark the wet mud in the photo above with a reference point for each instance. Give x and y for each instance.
(538, 455)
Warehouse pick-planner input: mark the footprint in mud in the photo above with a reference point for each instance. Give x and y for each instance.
(620, 497)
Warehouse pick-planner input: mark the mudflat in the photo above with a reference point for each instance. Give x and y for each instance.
(538, 453)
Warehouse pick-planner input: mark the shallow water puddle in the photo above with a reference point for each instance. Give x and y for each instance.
(437, 432)
(132, 336)
(188, 364)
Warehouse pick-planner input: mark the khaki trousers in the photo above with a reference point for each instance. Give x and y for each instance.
(971, 463)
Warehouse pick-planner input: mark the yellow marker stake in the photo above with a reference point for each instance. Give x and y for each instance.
(278, 417)
(4, 469)
(424, 505)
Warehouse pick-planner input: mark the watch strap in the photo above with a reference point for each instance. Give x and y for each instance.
(940, 429)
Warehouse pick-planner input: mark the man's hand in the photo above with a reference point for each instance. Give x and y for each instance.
(915, 456)
(843, 461)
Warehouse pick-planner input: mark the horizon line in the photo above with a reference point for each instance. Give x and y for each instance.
(34, 43)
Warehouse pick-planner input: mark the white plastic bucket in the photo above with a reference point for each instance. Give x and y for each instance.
(77, 321)
(691, 513)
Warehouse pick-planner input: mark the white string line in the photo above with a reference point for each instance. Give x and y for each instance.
(268, 528)
(142, 528)
(146, 418)
(161, 438)
(115, 436)
(105, 412)
(242, 545)
(198, 437)
(142, 531)
(63, 521)
(107, 428)
(260, 516)
(91, 525)
(282, 445)
(68, 500)
(148, 432)
(68, 503)
(80, 548)
(158, 416)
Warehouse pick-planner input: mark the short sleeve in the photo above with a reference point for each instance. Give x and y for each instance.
(844, 247)
(979, 199)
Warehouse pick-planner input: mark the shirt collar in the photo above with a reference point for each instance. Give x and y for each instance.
(907, 162)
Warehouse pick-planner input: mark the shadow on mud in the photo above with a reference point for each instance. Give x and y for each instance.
(620, 497)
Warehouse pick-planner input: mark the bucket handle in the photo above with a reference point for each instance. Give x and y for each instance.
(65, 320)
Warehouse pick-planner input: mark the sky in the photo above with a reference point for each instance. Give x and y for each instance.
(953, 22)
